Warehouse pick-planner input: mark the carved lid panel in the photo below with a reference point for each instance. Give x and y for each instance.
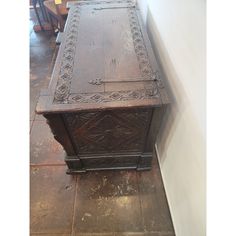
(105, 59)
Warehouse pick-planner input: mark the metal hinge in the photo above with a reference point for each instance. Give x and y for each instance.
(105, 8)
(99, 81)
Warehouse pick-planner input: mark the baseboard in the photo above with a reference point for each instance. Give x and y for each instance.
(163, 180)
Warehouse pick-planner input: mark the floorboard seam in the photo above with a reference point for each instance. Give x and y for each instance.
(140, 201)
(31, 125)
(45, 165)
(73, 213)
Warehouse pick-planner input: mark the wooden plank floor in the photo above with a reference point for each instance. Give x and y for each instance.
(94, 203)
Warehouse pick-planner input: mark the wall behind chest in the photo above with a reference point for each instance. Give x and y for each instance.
(177, 31)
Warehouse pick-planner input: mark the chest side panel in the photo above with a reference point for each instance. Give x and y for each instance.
(101, 132)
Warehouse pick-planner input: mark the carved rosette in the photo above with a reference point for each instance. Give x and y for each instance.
(66, 69)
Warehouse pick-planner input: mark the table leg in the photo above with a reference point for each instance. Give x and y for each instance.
(37, 14)
(43, 11)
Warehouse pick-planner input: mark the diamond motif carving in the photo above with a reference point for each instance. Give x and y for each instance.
(62, 93)
(108, 131)
(67, 64)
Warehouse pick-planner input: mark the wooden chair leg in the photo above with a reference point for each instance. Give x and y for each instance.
(51, 23)
(37, 15)
(44, 13)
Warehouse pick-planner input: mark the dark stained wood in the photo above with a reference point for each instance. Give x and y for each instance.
(111, 44)
(116, 208)
(108, 131)
(105, 100)
(60, 133)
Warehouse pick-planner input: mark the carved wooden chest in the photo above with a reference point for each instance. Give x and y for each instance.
(106, 97)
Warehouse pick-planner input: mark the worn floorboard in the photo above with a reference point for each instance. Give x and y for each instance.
(51, 200)
(107, 201)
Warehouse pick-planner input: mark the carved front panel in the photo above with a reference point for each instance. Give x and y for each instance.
(108, 131)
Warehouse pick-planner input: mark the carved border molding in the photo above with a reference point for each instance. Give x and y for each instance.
(62, 94)
(103, 2)
(66, 69)
(139, 45)
(113, 96)
(141, 51)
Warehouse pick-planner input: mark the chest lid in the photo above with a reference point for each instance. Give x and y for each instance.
(105, 60)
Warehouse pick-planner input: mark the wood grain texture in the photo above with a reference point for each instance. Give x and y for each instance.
(52, 195)
(105, 89)
(109, 43)
(108, 131)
